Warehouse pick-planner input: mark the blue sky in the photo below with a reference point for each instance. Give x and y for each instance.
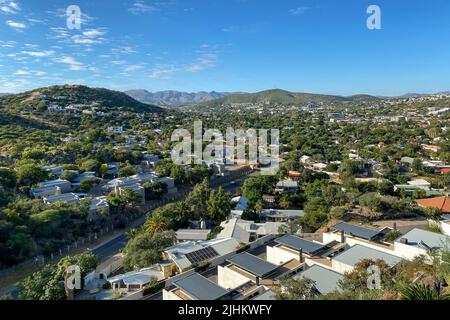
(227, 45)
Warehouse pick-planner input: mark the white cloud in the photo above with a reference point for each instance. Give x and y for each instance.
(9, 7)
(205, 61)
(141, 7)
(94, 33)
(90, 37)
(22, 72)
(163, 72)
(39, 54)
(298, 11)
(133, 68)
(18, 26)
(73, 64)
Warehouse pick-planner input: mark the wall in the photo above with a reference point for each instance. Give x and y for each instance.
(279, 256)
(341, 267)
(229, 279)
(167, 295)
(409, 252)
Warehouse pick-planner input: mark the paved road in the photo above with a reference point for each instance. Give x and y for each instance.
(114, 246)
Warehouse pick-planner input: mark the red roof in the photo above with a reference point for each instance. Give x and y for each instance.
(441, 203)
(445, 170)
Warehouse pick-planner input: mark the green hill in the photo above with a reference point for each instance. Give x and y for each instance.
(76, 94)
(283, 97)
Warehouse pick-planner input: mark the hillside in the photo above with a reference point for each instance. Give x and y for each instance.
(174, 98)
(75, 94)
(283, 97)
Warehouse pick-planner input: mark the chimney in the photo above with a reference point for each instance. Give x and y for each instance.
(117, 189)
(342, 236)
(202, 224)
(58, 191)
(301, 255)
(395, 226)
(404, 240)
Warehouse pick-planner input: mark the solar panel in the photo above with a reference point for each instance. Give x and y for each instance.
(201, 255)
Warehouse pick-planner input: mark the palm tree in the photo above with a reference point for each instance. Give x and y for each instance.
(423, 292)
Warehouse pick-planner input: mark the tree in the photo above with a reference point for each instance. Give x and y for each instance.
(197, 200)
(219, 206)
(422, 292)
(292, 289)
(158, 222)
(103, 170)
(127, 170)
(30, 174)
(154, 190)
(90, 165)
(144, 250)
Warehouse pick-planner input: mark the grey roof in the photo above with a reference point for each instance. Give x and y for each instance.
(253, 264)
(297, 243)
(200, 288)
(445, 217)
(192, 234)
(358, 252)
(326, 280)
(430, 239)
(357, 231)
(266, 296)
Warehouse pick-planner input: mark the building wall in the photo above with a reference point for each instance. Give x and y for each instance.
(170, 296)
(229, 279)
(341, 267)
(279, 256)
(409, 252)
(445, 228)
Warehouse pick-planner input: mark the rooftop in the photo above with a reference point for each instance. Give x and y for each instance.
(253, 264)
(326, 280)
(440, 203)
(417, 237)
(298, 244)
(357, 231)
(358, 252)
(200, 288)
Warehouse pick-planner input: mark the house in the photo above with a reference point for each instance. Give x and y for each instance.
(440, 203)
(420, 184)
(407, 160)
(194, 287)
(289, 186)
(294, 175)
(443, 224)
(290, 247)
(50, 188)
(269, 199)
(346, 261)
(55, 171)
(305, 159)
(135, 280)
(66, 198)
(99, 205)
(247, 231)
(325, 280)
(419, 242)
(192, 234)
(113, 169)
(183, 256)
(118, 130)
(278, 215)
(245, 267)
(241, 205)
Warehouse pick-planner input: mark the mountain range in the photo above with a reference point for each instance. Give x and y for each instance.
(174, 98)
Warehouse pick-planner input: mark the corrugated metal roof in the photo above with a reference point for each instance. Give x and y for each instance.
(358, 252)
(200, 288)
(253, 264)
(326, 280)
(297, 243)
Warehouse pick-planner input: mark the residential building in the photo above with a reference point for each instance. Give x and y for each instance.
(279, 215)
(66, 198)
(325, 280)
(440, 203)
(192, 234)
(419, 242)
(288, 186)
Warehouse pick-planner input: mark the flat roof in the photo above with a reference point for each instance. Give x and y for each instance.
(326, 280)
(357, 231)
(200, 288)
(430, 239)
(359, 252)
(253, 264)
(298, 243)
